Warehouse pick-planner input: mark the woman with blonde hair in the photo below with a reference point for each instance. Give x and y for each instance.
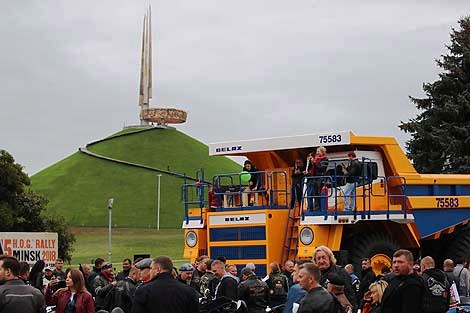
(74, 298)
(373, 298)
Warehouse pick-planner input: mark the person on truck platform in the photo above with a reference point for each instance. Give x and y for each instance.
(353, 171)
(255, 178)
(317, 166)
(297, 180)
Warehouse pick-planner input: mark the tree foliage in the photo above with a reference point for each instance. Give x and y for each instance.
(22, 210)
(440, 133)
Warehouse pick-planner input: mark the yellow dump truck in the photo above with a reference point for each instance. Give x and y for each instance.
(395, 207)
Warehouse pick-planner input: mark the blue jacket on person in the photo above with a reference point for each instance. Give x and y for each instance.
(294, 295)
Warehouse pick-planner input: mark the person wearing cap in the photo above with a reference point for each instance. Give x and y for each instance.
(253, 291)
(335, 286)
(186, 274)
(48, 270)
(164, 294)
(102, 284)
(144, 266)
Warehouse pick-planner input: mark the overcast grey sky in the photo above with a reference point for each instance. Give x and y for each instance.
(242, 69)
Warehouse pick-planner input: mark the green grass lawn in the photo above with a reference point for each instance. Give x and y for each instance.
(93, 242)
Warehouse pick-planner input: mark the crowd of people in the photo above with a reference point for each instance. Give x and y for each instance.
(303, 286)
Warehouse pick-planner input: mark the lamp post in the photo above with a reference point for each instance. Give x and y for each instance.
(110, 210)
(158, 202)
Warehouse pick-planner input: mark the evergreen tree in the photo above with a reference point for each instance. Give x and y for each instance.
(22, 210)
(440, 133)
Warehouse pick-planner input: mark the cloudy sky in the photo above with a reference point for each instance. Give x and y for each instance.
(242, 69)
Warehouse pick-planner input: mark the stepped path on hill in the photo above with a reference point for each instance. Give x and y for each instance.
(103, 157)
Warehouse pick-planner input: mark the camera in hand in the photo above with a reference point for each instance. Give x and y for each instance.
(61, 284)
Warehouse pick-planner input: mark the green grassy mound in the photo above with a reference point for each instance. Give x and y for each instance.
(79, 186)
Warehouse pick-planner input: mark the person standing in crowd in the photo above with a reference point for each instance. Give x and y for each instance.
(48, 277)
(278, 286)
(122, 295)
(58, 271)
(163, 294)
(24, 272)
(367, 278)
(126, 267)
(436, 297)
(199, 271)
(102, 284)
(96, 270)
(349, 268)
(253, 291)
(335, 286)
(317, 299)
(288, 270)
(232, 270)
(462, 276)
(448, 267)
(86, 271)
(36, 276)
(297, 181)
(15, 296)
(373, 297)
(353, 171)
(296, 293)
(186, 274)
(208, 281)
(405, 291)
(144, 266)
(323, 257)
(227, 286)
(385, 274)
(74, 297)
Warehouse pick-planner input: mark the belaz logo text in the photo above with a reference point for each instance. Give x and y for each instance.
(237, 219)
(228, 149)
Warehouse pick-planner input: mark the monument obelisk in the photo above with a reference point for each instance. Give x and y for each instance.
(161, 116)
(145, 92)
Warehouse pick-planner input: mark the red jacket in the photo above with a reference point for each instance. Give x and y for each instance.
(84, 303)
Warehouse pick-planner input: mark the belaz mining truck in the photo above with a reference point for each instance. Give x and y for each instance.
(395, 206)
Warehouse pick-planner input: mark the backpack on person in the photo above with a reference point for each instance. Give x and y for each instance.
(278, 284)
(436, 293)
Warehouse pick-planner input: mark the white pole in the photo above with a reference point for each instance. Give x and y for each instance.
(110, 210)
(158, 203)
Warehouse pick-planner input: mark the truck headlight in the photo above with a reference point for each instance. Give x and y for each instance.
(191, 239)
(306, 236)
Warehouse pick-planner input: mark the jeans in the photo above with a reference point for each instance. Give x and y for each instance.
(349, 197)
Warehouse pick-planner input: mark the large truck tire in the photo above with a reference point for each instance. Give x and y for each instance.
(378, 247)
(459, 244)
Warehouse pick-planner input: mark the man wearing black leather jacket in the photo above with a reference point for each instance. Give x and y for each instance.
(253, 291)
(318, 299)
(405, 291)
(323, 257)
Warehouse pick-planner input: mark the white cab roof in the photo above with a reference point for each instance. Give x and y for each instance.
(280, 143)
